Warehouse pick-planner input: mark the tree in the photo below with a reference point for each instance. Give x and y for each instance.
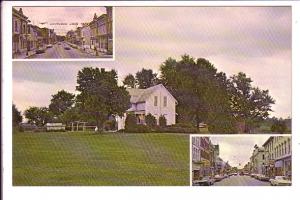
(162, 121)
(61, 102)
(150, 120)
(100, 96)
(279, 126)
(16, 116)
(71, 115)
(146, 78)
(38, 115)
(129, 81)
(202, 93)
(249, 104)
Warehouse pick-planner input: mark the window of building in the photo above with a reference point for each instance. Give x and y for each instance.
(285, 147)
(155, 100)
(263, 156)
(16, 26)
(165, 101)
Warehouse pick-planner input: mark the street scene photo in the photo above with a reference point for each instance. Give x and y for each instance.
(241, 161)
(72, 32)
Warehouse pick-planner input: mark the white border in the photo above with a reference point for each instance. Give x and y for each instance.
(145, 193)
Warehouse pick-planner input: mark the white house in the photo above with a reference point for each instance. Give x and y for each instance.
(156, 100)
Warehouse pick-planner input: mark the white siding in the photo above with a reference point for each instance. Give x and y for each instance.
(169, 111)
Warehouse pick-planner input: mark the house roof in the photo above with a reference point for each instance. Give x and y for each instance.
(141, 95)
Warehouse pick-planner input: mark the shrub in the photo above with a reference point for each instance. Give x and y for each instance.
(162, 121)
(139, 128)
(279, 126)
(130, 121)
(109, 125)
(151, 121)
(178, 128)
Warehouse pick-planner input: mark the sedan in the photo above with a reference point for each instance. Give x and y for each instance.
(67, 48)
(49, 46)
(205, 181)
(218, 178)
(263, 178)
(280, 181)
(40, 50)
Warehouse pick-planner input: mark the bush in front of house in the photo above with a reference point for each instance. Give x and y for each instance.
(178, 128)
(151, 121)
(162, 121)
(132, 127)
(139, 128)
(110, 125)
(130, 121)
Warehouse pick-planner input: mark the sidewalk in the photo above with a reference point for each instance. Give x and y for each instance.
(87, 50)
(23, 55)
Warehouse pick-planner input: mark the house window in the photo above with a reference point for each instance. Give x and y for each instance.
(165, 101)
(155, 100)
(16, 26)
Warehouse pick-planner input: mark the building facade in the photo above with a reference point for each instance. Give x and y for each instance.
(279, 150)
(155, 100)
(202, 156)
(86, 36)
(20, 31)
(258, 160)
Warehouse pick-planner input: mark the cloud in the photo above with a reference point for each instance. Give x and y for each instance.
(237, 150)
(255, 40)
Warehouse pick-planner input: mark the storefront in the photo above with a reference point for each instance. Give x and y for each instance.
(283, 167)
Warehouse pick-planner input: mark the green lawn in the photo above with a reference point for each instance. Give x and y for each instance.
(100, 159)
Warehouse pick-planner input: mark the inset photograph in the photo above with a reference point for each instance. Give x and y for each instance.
(241, 161)
(62, 32)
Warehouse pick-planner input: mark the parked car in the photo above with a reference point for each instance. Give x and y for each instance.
(49, 46)
(280, 181)
(263, 178)
(207, 181)
(59, 43)
(218, 178)
(40, 50)
(67, 48)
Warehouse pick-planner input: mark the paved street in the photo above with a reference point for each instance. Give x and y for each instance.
(241, 181)
(59, 51)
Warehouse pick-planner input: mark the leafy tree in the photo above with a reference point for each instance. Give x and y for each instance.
(202, 93)
(38, 115)
(129, 81)
(16, 116)
(100, 96)
(71, 115)
(146, 78)
(249, 104)
(162, 121)
(150, 120)
(61, 102)
(279, 126)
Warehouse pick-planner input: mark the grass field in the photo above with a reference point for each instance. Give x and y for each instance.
(66, 158)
